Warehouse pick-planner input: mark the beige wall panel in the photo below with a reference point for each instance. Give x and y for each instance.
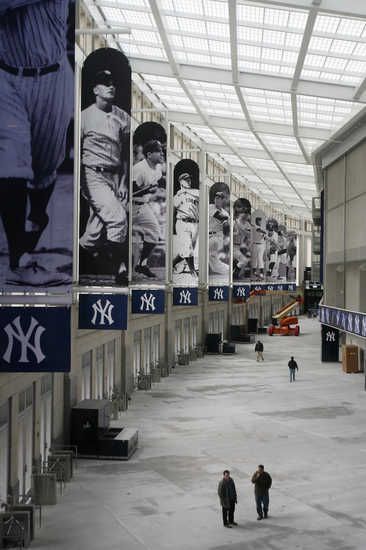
(352, 297)
(334, 230)
(356, 171)
(356, 224)
(335, 187)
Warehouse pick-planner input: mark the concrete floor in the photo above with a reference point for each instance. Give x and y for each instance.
(230, 412)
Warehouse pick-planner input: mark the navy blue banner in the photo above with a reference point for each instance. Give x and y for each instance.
(148, 301)
(218, 293)
(103, 311)
(241, 291)
(185, 296)
(35, 339)
(348, 321)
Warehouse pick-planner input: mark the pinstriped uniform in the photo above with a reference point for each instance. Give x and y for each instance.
(35, 111)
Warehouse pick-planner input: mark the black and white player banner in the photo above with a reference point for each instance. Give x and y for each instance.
(149, 204)
(186, 196)
(103, 311)
(104, 169)
(148, 301)
(218, 293)
(35, 339)
(242, 240)
(219, 234)
(185, 296)
(37, 43)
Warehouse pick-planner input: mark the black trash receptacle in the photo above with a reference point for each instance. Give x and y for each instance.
(252, 325)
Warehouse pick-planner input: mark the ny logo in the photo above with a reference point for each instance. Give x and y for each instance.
(280, 287)
(270, 287)
(357, 324)
(105, 312)
(364, 325)
(330, 336)
(147, 302)
(240, 291)
(185, 297)
(14, 331)
(350, 322)
(218, 294)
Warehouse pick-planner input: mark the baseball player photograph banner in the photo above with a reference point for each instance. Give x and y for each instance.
(219, 234)
(149, 217)
(186, 197)
(103, 311)
(258, 253)
(185, 296)
(104, 169)
(37, 43)
(242, 240)
(148, 301)
(35, 339)
(218, 293)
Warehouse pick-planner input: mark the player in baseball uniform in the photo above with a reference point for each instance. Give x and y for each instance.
(282, 252)
(219, 223)
(105, 130)
(258, 249)
(146, 176)
(272, 247)
(242, 232)
(36, 88)
(186, 216)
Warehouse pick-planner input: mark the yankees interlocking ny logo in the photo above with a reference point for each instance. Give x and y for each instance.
(105, 312)
(218, 294)
(14, 332)
(330, 336)
(270, 287)
(240, 291)
(185, 297)
(357, 324)
(147, 302)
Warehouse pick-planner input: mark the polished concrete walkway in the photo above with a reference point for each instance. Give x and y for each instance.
(229, 411)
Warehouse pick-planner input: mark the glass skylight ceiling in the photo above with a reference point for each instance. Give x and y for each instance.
(297, 78)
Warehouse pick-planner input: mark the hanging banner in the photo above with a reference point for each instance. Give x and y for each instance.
(35, 339)
(241, 293)
(37, 43)
(103, 311)
(149, 217)
(242, 240)
(259, 235)
(219, 234)
(218, 293)
(104, 169)
(148, 301)
(186, 223)
(291, 256)
(183, 296)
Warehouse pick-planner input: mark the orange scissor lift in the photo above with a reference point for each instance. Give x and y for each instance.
(288, 324)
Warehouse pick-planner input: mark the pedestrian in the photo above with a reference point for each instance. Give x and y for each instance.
(262, 483)
(227, 494)
(259, 348)
(292, 365)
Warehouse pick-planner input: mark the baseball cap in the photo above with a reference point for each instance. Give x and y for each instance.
(104, 77)
(184, 176)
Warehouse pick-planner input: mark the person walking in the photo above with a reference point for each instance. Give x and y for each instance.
(292, 365)
(259, 348)
(227, 495)
(262, 483)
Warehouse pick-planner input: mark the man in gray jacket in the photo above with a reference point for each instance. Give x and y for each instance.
(227, 494)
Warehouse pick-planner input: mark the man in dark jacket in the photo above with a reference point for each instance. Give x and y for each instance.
(262, 483)
(259, 350)
(292, 365)
(227, 494)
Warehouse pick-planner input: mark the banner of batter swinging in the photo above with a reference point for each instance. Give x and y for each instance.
(104, 171)
(186, 196)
